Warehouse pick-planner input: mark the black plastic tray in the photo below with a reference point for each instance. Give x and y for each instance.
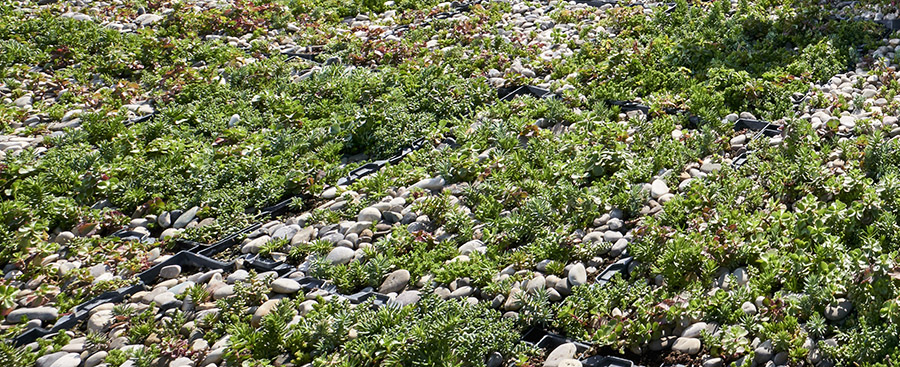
(741, 159)
(620, 266)
(184, 259)
(606, 361)
(78, 314)
(508, 94)
(140, 119)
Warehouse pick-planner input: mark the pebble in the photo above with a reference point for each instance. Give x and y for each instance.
(741, 277)
(407, 298)
(839, 310)
(44, 313)
(285, 286)
(214, 356)
(170, 272)
(395, 282)
(185, 218)
(535, 284)
(68, 360)
(22, 102)
(48, 359)
(433, 184)
(658, 188)
(262, 311)
(100, 321)
(764, 352)
(577, 275)
(693, 331)
(559, 354)
(473, 245)
(619, 247)
(340, 256)
(182, 362)
(369, 214)
(223, 292)
(748, 308)
(687, 345)
(95, 359)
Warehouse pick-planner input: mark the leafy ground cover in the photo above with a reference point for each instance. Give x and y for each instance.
(500, 224)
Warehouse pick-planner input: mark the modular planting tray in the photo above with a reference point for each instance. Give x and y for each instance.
(617, 267)
(762, 128)
(508, 94)
(196, 255)
(144, 118)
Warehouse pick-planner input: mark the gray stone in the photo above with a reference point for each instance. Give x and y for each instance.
(741, 277)
(64, 237)
(214, 356)
(95, 359)
(369, 214)
(333, 238)
(513, 300)
(285, 286)
(535, 284)
(303, 236)
(148, 19)
(562, 352)
(395, 282)
(494, 359)
(170, 272)
(392, 217)
(749, 308)
(612, 236)
(780, 359)
(340, 256)
(619, 247)
(461, 292)
(710, 167)
(434, 184)
(473, 245)
(185, 218)
(286, 232)
(763, 352)
(839, 310)
(658, 188)
(658, 345)
(553, 295)
(615, 224)
(687, 345)
(169, 232)
(713, 362)
(238, 276)
(570, 363)
(181, 287)
(595, 237)
(68, 360)
(23, 101)
(693, 331)
(262, 311)
(166, 299)
(48, 359)
(223, 292)
(37, 313)
(407, 298)
(182, 362)
(100, 321)
(254, 245)
(577, 275)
